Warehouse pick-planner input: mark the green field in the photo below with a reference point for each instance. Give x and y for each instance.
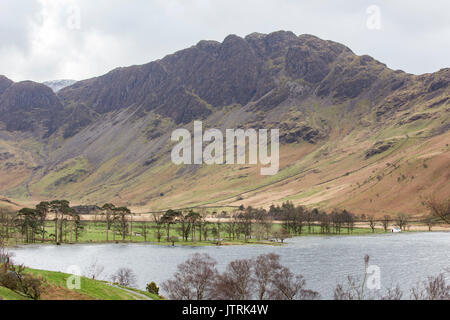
(95, 232)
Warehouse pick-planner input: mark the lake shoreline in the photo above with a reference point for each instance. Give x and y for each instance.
(403, 258)
(198, 244)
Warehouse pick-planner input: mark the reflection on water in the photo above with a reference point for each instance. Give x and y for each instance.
(404, 259)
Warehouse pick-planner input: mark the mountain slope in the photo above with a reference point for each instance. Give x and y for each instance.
(354, 133)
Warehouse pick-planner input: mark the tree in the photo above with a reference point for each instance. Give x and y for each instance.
(193, 217)
(144, 231)
(349, 220)
(309, 219)
(169, 218)
(336, 220)
(76, 225)
(435, 288)
(193, 280)
(265, 267)
(440, 208)
(393, 294)
(371, 220)
(236, 282)
(109, 210)
(206, 229)
(124, 277)
(42, 210)
(5, 258)
(402, 221)
(324, 222)
(173, 239)
(121, 220)
(262, 277)
(429, 221)
(355, 288)
(7, 223)
(386, 220)
(17, 280)
(245, 222)
(282, 235)
(28, 223)
(287, 286)
(184, 227)
(60, 209)
(94, 270)
(79, 227)
(230, 227)
(153, 288)
(157, 218)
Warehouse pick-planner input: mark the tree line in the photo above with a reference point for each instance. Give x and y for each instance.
(244, 224)
(252, 223)
(264, 278)
(31, 224)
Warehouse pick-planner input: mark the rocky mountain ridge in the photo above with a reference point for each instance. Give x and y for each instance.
(106, 137)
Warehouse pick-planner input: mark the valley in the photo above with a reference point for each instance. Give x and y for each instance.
(354, 134)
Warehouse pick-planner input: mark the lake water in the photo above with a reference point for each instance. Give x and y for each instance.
(403, 259)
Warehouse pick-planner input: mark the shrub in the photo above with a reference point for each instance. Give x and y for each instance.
(26, 284)
(153, 288)
(124, 277)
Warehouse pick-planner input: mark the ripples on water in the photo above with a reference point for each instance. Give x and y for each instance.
(404, 259)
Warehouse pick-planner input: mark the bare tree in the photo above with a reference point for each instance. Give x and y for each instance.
(429, 221)
(193, 280)
(435, 288)
(372, 223)
(282, 235)
(173, 239)
(402, 221)
(393, 294)
(121, 220)
(236, 282)
(265, 267)
(94, 270)
(355, 288)
(287, 286)
(440, 208)
(124, 277)
(386, 220)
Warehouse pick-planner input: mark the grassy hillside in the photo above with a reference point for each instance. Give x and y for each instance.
(55, 288)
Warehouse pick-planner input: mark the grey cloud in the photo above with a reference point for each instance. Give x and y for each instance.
(113, 33)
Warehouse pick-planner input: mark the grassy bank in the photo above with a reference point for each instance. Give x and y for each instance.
(55, 288)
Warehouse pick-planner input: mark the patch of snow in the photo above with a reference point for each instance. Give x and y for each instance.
(57, 85)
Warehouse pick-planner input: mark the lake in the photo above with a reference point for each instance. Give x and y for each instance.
(403, 259)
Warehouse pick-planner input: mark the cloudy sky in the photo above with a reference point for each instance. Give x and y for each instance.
(77, 39)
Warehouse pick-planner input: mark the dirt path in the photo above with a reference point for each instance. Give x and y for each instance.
(137, 295)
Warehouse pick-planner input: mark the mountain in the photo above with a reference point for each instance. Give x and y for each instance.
(29, 106)
(57, 85)
(355, 134)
